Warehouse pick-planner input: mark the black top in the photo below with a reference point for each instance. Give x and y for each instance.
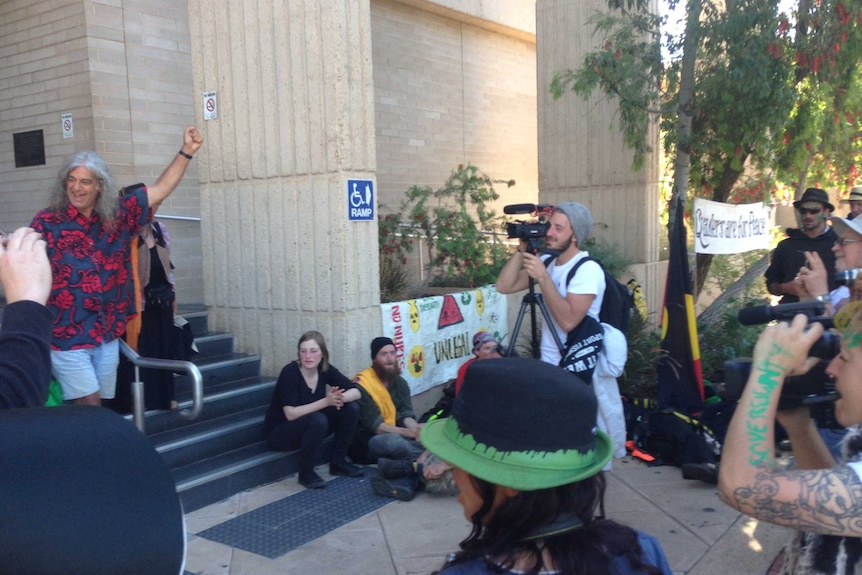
(291, 389)
(787, 258)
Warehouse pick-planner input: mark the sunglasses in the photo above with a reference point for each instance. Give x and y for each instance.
(811, 211)
(843, 242)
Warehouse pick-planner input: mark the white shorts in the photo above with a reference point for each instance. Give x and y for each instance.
(82, 372)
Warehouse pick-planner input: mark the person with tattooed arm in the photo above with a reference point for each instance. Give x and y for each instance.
(822, 499)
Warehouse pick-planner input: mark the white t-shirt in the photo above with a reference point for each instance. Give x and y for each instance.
(589, 279)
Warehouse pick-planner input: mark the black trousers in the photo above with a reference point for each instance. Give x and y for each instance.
(308, 432)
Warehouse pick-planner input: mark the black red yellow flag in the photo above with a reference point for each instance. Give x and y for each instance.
(680, 380)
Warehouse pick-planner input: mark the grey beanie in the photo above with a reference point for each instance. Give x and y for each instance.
(580, 218)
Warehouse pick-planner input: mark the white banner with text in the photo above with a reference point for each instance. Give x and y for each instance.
(730, 228)
(434, 335)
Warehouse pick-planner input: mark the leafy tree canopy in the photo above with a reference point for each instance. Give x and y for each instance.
(776, 96)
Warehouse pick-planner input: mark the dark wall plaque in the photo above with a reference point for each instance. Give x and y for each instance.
(29, 149)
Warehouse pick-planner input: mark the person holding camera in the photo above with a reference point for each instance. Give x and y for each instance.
(568, 303)
(820, 498)
(813, 278)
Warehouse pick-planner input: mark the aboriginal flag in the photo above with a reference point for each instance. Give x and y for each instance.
(680, 381)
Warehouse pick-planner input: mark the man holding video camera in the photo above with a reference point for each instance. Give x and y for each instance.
(819, 498)
(568, 303)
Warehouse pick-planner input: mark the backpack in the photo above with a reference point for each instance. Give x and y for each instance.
(618, 301)
(670, 436)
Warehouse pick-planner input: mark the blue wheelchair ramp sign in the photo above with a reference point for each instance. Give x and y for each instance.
(360, 200)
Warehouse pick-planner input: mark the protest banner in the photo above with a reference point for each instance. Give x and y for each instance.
(730, 228)
(434, 335)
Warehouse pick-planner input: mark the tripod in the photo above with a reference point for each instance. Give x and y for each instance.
(532, 299)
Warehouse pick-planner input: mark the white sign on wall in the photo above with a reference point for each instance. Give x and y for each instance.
(730, 229)
(68, 127)
(210, 106)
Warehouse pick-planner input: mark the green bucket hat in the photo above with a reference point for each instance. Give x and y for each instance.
(521, 423)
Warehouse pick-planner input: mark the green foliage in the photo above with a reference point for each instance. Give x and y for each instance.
(392, 242)
(393, 280)
(725, 339)
(640, 378)
(776, 96)
(456, 226)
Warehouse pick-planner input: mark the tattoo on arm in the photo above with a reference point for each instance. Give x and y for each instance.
(827, 501)
(771, 375)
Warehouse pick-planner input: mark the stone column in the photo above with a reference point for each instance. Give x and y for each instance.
(582, 155)
(295, 121)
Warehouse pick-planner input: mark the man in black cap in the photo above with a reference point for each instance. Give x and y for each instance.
(388, 432)
(814, 235)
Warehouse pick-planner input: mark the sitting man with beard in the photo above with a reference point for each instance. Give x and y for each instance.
(389, 433)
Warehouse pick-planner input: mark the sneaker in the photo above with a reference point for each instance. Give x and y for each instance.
(311, 480)
(346, 468)
(391, 468)
(402, 488)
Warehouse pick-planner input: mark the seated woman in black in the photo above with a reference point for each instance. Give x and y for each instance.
(303, 411)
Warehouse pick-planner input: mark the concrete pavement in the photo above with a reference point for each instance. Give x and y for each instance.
(699, 534)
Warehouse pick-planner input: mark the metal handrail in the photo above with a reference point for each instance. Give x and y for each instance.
(171, 364)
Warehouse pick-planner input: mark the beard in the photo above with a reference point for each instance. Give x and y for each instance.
(564, 244)
(387, 372)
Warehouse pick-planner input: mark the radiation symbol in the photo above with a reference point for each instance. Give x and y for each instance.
(414, 316)
(480, 302)
(416, 361)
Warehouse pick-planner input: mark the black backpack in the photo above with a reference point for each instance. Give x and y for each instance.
(670, 436)
(618, 301)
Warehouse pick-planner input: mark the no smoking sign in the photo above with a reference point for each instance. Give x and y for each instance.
(210, 106)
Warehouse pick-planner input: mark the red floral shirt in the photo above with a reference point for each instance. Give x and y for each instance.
(92, 295)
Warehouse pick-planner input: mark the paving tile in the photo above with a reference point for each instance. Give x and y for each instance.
(205, 557)
(749, 546)
(699, 534)
(438, 518)
(359, 547)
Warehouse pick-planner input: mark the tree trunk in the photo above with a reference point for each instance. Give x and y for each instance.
(716, 308)
(682, 162)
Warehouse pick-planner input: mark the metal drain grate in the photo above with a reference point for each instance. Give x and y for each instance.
(284, 525)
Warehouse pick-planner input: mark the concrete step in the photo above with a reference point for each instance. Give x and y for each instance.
(208, 438)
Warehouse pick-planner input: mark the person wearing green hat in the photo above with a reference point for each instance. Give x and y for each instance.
(528, 461)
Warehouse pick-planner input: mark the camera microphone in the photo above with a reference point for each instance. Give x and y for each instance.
(765, 313)
(519, 209)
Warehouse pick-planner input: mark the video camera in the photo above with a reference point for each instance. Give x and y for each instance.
(534, 231)
(811, 388)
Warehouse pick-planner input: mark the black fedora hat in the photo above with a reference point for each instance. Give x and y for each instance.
(815, 195)
(521, 423)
